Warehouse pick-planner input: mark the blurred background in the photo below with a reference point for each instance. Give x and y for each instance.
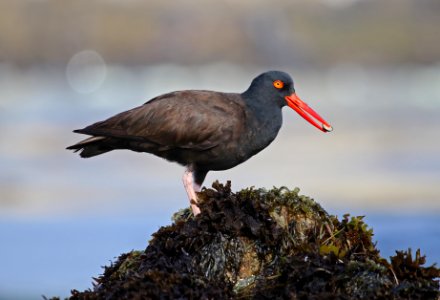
(369, 67)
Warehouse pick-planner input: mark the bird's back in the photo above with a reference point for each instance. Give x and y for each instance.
(180, 126)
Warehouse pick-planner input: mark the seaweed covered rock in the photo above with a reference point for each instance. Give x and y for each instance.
(259, 244)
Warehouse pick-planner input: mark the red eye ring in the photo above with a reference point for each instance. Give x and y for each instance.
(278, 84)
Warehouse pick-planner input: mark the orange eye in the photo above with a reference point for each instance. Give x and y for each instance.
(278, 84)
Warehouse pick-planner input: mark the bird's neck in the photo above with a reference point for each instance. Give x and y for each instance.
(264, 120)
(264, 110)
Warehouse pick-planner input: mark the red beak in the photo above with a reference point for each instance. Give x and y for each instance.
(307, 113)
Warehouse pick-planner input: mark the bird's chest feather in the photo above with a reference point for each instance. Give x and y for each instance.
(262, 130)
(258, 139)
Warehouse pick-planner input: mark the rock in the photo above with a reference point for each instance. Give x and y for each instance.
(259, 244)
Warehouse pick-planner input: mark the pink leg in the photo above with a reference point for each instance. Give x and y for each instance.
(191, 188)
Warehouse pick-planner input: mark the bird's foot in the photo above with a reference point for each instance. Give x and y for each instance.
(195, 209)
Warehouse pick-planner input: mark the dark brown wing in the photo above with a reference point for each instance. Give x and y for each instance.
(197, 120)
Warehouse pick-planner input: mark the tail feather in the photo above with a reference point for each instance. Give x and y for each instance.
(92, 146)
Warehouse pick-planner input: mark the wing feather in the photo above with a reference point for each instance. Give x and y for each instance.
(196, 120)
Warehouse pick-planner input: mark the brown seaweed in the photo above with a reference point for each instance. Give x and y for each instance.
(264, 244)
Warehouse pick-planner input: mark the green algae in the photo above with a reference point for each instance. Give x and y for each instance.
(264, 244)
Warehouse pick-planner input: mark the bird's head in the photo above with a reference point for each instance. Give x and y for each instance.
(278, 86)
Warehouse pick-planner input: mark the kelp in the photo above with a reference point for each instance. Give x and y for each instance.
(263, 244)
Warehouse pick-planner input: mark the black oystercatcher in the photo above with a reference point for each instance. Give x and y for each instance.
(202, 130)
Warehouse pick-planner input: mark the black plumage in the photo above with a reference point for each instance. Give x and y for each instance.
(202, 130)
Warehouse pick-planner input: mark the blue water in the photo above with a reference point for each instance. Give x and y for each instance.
(52, 257)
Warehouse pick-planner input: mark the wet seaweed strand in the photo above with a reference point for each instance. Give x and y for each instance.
(264, 244)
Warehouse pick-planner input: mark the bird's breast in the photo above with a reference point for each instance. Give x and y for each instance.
(262, 130)
(255, 135)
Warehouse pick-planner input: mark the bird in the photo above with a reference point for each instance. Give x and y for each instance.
(202, 130)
